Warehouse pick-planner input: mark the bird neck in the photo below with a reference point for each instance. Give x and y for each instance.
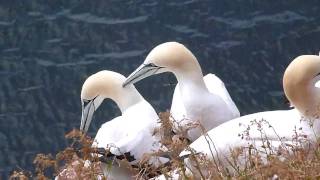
(306, 99)
(191, 79)
(126, 97)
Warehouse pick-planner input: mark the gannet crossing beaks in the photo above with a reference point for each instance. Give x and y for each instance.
(141, 72)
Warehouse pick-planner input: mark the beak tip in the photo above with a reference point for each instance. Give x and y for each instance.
(81, 129)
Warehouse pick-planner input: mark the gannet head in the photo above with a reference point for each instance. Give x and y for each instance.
(300, 84)
(102, 85)
(169, 56)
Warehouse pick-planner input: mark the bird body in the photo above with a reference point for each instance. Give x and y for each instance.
(131, 132)
(278, 127)
(204, 106)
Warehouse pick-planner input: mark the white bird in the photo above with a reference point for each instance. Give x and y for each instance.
(130, 134)
(196, 98)
(299, 83)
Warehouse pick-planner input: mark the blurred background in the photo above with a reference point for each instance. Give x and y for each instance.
(48, 49)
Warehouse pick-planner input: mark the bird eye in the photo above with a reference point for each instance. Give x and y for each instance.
(150, 65)
(85, 102)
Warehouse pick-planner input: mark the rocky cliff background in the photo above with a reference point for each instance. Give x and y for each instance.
(48, 48)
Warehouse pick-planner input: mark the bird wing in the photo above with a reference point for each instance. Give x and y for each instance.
(114, 136)
(109, 134)
(131, 133)
(217, 87)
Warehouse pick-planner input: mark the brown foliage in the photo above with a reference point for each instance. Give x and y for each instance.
(291, 161)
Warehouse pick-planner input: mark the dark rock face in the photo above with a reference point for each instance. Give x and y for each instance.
(48, 49)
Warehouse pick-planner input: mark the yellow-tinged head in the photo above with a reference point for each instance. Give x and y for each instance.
(102, 85)
(170, 56)
(299, 83)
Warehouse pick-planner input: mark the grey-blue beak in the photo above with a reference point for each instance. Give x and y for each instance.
(88, 109)
(143, 71)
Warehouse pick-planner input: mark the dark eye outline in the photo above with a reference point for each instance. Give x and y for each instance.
(152, 65)
(86, 101)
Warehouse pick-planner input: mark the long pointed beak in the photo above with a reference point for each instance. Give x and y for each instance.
(87, 114)
(143, 71)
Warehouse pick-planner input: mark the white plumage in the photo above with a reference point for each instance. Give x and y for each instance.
(216, 105)
(130, 132)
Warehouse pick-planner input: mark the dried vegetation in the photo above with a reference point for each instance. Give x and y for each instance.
(295, 160)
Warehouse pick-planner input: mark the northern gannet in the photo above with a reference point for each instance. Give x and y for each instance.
(271, 129)
(130, 134)
(196, 98)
